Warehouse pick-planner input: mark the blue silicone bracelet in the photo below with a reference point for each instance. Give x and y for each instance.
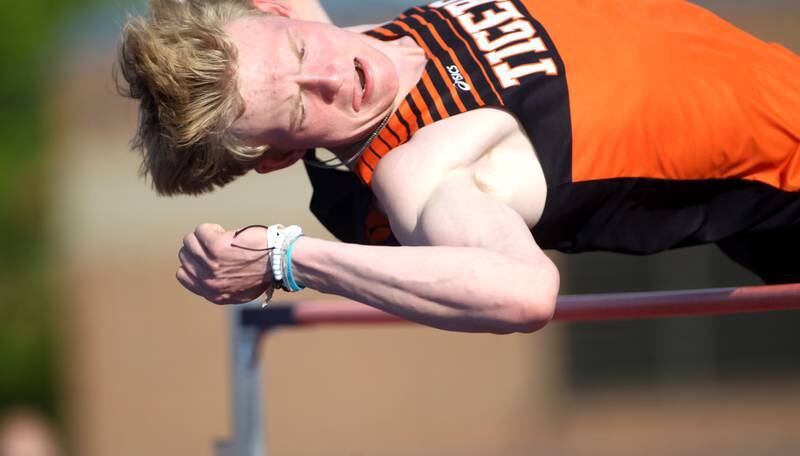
(289, 276)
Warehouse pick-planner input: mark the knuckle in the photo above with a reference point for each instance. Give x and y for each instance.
(222, 299)
(183, 256)
(216, 246)
(207, 228)
(211, 283)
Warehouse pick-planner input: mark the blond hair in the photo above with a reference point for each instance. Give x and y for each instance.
(180, 65)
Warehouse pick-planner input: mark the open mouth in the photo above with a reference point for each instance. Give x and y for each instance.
(362, 79)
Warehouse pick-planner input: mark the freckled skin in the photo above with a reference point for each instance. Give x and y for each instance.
(271, 78)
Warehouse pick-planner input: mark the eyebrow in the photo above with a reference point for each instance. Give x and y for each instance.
(298, 116)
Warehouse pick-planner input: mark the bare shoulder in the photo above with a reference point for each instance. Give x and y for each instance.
(487, 147)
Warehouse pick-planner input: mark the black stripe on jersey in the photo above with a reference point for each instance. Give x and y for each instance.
(443, 85)
(375, 35)
(372, 152)
(477, 70)
(442, 90)
(428, 99)
(405, 125)
(393, 133)
(431, 43)
(470, 43)
(388, 147)
(417, 113)
(396, 29)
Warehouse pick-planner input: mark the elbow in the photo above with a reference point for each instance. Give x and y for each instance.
(534, 306)
(530, 316)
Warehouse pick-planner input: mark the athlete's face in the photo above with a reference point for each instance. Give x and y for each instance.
(308, 84)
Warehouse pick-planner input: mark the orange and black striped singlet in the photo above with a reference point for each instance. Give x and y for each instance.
(657, 124)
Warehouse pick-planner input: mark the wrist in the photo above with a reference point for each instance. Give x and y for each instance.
(302, 254)
(289, 283)
(280, 243)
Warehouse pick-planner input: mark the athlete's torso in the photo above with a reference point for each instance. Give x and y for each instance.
(648, 127)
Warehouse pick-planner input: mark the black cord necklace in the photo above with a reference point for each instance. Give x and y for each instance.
(310, 158)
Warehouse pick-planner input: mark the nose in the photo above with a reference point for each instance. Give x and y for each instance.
(325, 80)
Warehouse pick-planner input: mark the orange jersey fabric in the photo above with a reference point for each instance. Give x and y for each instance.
(657, 124)
(664, 89)
(657, 89)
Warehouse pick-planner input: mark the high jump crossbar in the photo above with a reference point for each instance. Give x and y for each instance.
(250, 323)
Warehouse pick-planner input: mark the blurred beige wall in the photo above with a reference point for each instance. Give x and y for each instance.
(147, 363)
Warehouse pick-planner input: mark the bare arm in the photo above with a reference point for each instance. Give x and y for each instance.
(469, 262)
(472, 266)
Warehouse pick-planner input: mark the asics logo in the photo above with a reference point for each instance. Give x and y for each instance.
(458, 79)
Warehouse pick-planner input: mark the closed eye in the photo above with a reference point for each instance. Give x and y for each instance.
(298, 45)
(302, 115)
(298, 114)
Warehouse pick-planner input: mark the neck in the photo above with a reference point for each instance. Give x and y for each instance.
(410, 61)
(348, 156)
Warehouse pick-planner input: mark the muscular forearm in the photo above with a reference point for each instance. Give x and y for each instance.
(454, 288)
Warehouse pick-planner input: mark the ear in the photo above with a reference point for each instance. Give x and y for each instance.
(274, 160)
(274, 7)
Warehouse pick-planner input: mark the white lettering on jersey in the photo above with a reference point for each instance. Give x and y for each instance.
(490, 18)
(458, 79)
(517, 36)
(510, 76)
(459, 7)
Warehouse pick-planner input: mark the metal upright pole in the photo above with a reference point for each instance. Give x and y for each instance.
(248, 423)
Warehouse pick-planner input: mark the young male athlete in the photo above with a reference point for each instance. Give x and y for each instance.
(476, 132)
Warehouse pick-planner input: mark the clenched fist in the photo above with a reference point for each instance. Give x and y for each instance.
(225, 267)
